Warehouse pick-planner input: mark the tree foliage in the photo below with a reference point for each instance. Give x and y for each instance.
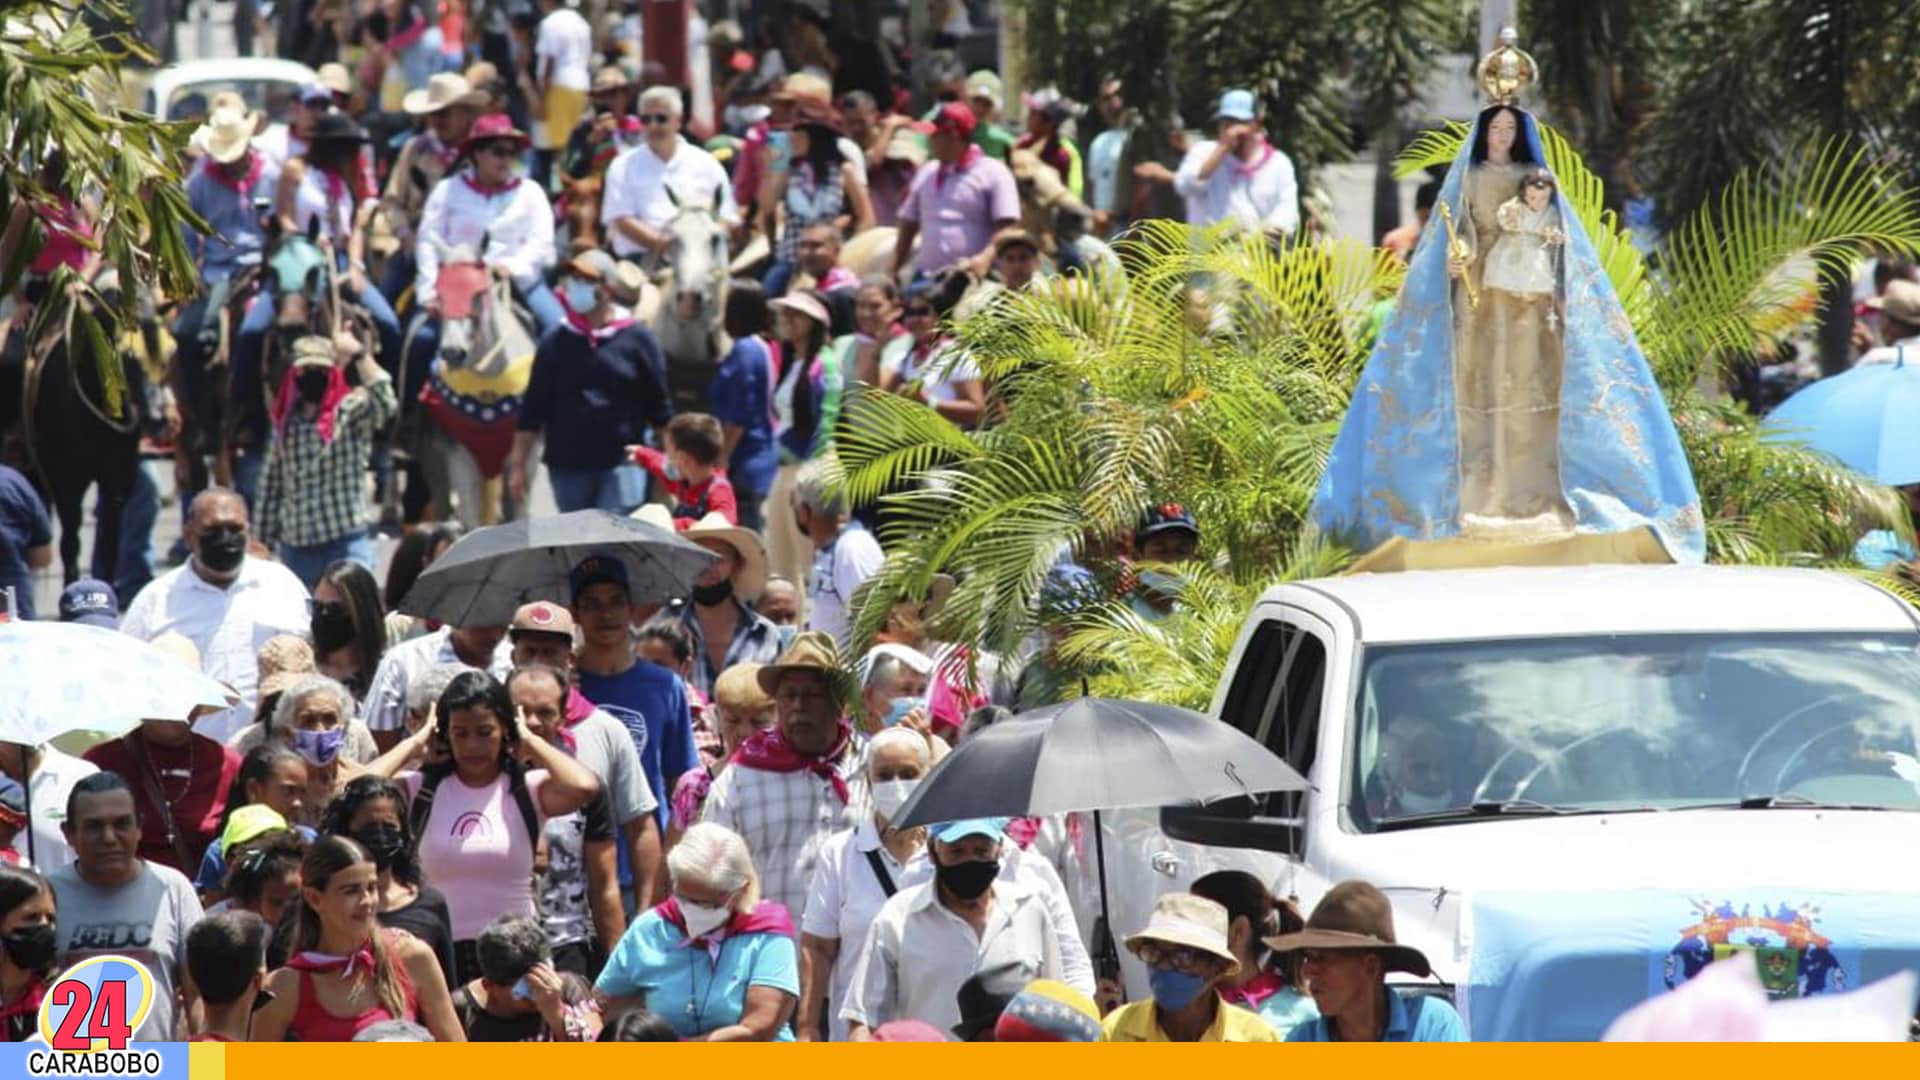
(1116, 393)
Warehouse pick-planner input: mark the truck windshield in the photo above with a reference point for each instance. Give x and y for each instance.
(1635, 723)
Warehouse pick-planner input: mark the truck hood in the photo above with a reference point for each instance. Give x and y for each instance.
(1548, 928)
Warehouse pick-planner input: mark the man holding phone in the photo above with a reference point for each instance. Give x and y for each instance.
(1244, 179)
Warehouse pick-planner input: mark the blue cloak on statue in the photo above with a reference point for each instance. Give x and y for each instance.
(1395, 471)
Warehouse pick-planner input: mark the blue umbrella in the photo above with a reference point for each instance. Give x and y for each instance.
(66, 677)
(1864, 418)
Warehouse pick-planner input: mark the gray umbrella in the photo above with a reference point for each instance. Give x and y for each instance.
(1096, 754)
(485, 577)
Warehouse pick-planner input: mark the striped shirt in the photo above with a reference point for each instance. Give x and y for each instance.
(313, 490)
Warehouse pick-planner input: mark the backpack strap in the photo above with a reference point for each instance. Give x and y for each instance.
(422, 807)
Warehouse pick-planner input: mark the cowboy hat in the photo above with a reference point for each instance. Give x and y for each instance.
(804, 303)
(808, 112)
(442, 91)
(335, 78)
(1354, 916)
(337, 127)
(813, 651)
(751, 575)
(313, 351)
(1192, 921)
(493, 127)
(655, 515)
(226, 135)
(908, 144)
(610, 78)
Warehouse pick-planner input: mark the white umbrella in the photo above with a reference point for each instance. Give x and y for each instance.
(66, 677)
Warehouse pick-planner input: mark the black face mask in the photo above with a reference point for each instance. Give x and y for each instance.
(332, 628)
(221, 550)
(312, 385)
(385, 843)
(709, 595)
(967, 880)
(32, 948)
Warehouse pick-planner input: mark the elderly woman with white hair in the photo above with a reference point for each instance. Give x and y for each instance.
(858, 869)
(315, 718)
(714, 960)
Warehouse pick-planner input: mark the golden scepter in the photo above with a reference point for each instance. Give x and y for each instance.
(1461, 250)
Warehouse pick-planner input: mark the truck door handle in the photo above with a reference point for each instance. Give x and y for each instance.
(1166, 862)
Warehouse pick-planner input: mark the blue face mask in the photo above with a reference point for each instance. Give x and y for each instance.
(901, 707)
(319, 747)
(1174, 990)
(580, 295)
(522, 991)
(672, 470)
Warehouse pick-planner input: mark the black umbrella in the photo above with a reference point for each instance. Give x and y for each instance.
(1096, 754)
(485, 577)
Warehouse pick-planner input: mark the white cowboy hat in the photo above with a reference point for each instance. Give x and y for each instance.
(655, 515)
(804, 304)
(751, 576)
(443, 90)
(226, 135)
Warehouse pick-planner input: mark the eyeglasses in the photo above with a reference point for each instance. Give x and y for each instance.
(505, 150)
(657, 118)
(1178, 957)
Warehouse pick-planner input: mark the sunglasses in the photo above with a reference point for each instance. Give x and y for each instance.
(1177, 957)
(657, 118)
(504, 150)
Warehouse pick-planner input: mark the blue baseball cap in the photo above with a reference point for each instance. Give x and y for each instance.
(1166, 517)
(1235, 105)
(596, 570)
(948, 832)
(91, 602)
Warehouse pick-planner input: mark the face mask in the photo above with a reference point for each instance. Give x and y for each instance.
(890, 795)
(632, 138)
(221, 550)
(31, 947)
(332, 628)
(319, 747)
(967, 880)
(385, 843)
(717, 593)
(1412, 802)
(703, 919)
(901, 707)
(521, 991)
(673, 471)
(581, 296)
(312, 386)
(1159, 583)
(1174, 990)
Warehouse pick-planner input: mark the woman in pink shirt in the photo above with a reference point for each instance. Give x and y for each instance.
(478, 813)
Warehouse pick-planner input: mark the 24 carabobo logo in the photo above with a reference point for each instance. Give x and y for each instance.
(89, 1017)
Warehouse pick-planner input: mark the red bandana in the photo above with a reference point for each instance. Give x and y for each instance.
(256, 164)
(767, 917)
(966, 162)
(1250, 994)
(490, 190)
(329, 405)
(27, 1002)
(770, 751)
(345, 965)
(1248, 168)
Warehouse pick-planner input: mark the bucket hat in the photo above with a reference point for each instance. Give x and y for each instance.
(1355, 916)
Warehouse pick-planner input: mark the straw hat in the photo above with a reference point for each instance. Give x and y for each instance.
(805, 304)
(442, 91)
(655, 515)
(906, 144)
(1193, 921)
(812, 651)
(227, 134)
(1355, 916)
(751, 575)
(335, 78)
(313, 351)
(610, 78)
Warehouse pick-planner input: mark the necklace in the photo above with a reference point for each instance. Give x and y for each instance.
(699, 1014)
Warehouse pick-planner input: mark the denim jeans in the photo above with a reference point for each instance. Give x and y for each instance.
(134, 568)
(775, 283)
(620, 489)
(309, 562)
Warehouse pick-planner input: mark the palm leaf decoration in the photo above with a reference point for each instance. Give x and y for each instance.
(1215, 373)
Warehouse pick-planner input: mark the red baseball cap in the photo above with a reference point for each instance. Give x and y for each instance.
(955, 117)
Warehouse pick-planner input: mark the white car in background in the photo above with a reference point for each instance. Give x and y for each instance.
(269, 85)
(1578, 785)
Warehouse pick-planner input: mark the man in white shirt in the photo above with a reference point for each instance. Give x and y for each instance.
(845, 553)
(1243, 178)
(487, 201)
(54, 775)
(562, 51)
(225, 601)
(930, 938)
(385, 709)
(645, 186)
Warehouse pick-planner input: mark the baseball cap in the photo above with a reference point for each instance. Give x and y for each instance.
(1235, 105)
(993, 828)
(542, 617)
(13, 803)
(955, 118)
(248, 822)
(315, 94)
(596, 570)
(1167, 517)
(91, 602)
(986, 84)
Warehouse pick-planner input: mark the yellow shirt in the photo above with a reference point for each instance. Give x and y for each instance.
(1138, 1023)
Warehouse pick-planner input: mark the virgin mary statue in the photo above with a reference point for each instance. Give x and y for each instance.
(1506, 414)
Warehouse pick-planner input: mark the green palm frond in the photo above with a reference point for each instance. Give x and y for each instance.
(1428, 149)
(1747, 266)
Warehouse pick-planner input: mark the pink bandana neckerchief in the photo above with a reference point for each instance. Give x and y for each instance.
(578, 323)
(1250, 994)
(1247, 169)
(489, 190)
(311, 961)
(945, 170)
(769, 750)
(256, 164)
(767, 917)
(337, 392)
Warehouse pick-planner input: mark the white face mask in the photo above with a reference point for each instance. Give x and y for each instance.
(889, 795)
(703, 919)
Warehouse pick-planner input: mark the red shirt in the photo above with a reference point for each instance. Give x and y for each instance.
(692, 501)
(194, 780)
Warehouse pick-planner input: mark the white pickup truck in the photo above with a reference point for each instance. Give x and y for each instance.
(1579, 785)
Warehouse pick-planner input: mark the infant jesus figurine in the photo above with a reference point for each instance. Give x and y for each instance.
(1522, 260)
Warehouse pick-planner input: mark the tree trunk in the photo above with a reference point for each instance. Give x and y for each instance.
(1836, 322)
(1386, 190)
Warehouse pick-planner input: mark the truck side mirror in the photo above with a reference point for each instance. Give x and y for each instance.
(1235, 823)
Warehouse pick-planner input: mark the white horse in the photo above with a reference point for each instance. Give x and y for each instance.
(686, 301)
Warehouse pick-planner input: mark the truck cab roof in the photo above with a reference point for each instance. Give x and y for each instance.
(1539, 602)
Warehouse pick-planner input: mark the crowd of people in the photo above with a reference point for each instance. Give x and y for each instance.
(619, 816)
